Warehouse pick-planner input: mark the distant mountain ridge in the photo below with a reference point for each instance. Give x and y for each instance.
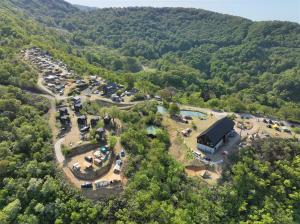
(85, 8)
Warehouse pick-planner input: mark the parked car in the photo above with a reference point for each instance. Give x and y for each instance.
(122, 153)
(89, 159)
(269, 126)
(76, 166)
(87, 185)
(231, 134)
(225, 153)
(85, 129)
(207, 158)
(119, 162)
(101, 184)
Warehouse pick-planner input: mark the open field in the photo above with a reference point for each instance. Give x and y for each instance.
(209, 177)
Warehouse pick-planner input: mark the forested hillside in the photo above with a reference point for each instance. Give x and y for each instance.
(199, 57)
(216, 60)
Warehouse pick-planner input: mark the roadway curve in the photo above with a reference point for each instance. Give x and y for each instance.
(58, 153)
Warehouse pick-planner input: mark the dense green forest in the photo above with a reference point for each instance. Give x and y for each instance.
(219, 61)
(194, 57)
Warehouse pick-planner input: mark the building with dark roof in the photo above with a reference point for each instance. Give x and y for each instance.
(110, 88)
(65, 120)
(212, 138)
(101, 134)
(63, 111)
(82, 120)
(94, 121)
(77, 107)
(76, 99)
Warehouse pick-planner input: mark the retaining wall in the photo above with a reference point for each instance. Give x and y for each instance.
(108, 103)
(81, 149)
(106, 192)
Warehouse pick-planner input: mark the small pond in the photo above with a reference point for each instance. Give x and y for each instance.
(192, 113)
(163, 110)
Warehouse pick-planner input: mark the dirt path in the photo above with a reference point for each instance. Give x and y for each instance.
(58, 153)
(72, 138)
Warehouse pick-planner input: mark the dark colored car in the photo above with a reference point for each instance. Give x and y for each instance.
(207, 158)
(122, 153)
(87, 185)
(89, 159)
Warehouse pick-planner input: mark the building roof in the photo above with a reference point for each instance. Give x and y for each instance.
(78, 105)
(95, 118)
(216, 132)
(64, 117)
(82, 117)
(63, 109)
(76, 98)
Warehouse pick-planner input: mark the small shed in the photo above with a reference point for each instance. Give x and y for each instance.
(94, 121)
(78, 107)
(110, 88)
(107, 119)
(101, 133)
(63, 111)
(64, 120)
(81, 120)
(76, 99)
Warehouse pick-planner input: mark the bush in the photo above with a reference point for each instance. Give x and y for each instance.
(112, 141)
(65, 150)
(139, 96)
(296, 130)
(194, 126)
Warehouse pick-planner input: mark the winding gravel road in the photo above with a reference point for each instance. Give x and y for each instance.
(58, 153)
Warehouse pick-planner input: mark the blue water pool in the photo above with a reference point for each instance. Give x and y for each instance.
(192, 113)
(161, 109)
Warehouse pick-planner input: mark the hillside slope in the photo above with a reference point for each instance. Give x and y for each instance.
(218, 59)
